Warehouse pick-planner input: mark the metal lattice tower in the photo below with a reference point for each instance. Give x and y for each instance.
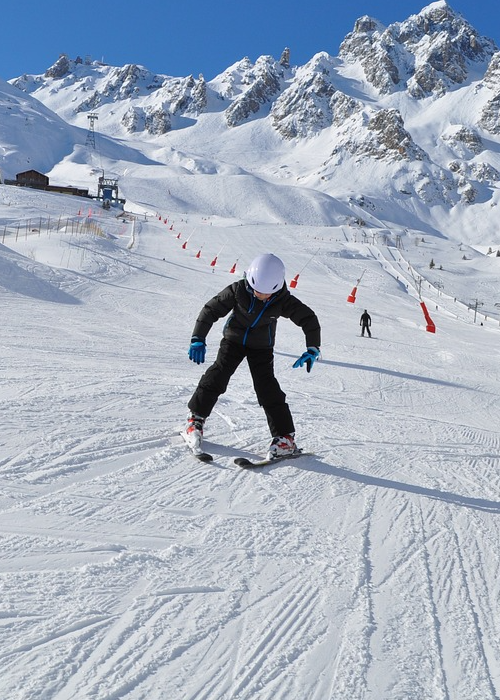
(92, 117)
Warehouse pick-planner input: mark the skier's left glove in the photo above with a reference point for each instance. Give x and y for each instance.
(197, 350)
(307, 358)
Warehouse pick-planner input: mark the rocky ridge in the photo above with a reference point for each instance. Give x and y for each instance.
(422, 59)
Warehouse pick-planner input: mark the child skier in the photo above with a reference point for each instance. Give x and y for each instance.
(255, 303)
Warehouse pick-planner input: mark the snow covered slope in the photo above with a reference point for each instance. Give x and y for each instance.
(129, 570)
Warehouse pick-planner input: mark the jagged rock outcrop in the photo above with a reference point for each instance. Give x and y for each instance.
(185, 95)
(285, 58)
(375, 48)
(391, 140)
(490, 115)
(450, 45)
(199, 95)
(60, 68)
(129, 81)
(468, 193)
(492, 75)
(426, 54)
(468, 173)
(175, 96)
(312, 102)
(157, 121)
(481, 172)
(90, 103)
(264, 80)
(121, 84)
(179, 96)
(380, 135)
(464, 141)
(133, 120)
(154, 121)
(234, 80)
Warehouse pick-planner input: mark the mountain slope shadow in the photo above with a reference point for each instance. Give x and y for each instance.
(26, 278)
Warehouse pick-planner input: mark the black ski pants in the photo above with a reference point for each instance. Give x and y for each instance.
(269, 394)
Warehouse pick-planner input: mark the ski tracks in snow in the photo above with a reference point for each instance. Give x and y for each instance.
(129, 570)
(245, 584)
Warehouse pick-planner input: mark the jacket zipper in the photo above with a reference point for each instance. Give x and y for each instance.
(257, 319)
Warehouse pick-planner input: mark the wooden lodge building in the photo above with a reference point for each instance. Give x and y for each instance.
(38, 181)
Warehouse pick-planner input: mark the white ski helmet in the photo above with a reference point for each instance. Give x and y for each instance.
(266, 274)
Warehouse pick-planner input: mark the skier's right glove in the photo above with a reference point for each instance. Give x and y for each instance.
(307, 358)
(197, 350)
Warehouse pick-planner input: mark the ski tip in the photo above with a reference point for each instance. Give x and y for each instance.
(204, 457)
(242, 462)
(249, 464)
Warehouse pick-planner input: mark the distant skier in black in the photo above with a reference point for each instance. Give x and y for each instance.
(365, 322)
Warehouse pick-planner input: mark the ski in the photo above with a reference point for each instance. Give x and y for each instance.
(197, 451)
(250, 463)
(202, 456)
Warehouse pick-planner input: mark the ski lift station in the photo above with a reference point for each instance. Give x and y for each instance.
(107, 192)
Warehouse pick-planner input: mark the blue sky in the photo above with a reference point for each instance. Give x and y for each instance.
(196, 36)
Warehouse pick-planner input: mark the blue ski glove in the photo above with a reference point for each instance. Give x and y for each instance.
(197, 350)
(307, 358)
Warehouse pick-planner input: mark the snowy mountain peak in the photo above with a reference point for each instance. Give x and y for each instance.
(426, 54)
(412, 108)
